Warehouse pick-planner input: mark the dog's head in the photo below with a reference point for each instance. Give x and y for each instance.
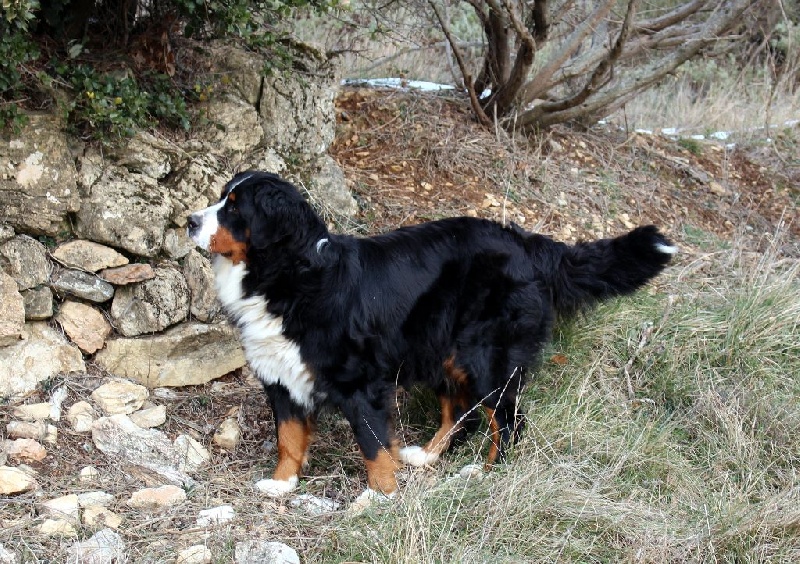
(256, 211)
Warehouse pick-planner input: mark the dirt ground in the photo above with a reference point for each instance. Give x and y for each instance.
(408, 158)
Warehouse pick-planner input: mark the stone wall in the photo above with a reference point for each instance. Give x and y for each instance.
(95, 264)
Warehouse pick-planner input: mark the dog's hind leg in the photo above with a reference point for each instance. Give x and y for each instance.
(294, 428)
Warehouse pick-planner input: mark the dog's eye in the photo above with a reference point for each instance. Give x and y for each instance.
(232, 207)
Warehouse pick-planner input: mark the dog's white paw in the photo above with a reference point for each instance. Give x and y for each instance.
(417, 456)
(276, 488)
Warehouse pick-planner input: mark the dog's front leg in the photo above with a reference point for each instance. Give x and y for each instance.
(294, 427)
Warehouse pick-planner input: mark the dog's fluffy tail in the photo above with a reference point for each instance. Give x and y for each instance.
(588, 272)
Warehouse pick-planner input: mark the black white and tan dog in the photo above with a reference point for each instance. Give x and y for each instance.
(461, 305)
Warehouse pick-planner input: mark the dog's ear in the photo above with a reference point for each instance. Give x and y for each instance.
(282, 217)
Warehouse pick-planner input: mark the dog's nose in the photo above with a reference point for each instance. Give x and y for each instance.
(194, 223)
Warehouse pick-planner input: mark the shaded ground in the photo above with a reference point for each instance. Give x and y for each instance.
(410, 158)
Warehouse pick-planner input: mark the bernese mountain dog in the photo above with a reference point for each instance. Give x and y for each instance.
(461, 305)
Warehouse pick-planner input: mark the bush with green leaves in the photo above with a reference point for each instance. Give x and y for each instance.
(16, 49)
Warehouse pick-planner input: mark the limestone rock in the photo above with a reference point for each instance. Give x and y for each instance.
(146, 154)
(42, 178)
(88, 256)
(81, 416)
(38, 430)
(88, 474)
(12, 313)
(84, 325)
(314, 505)
(83, 285)
(129, 274)
(14, 480)
(197, 185)
(162, 497)
(64, 507)
(215, 516)
(57, 528)
(44, 354)
(265, 552)
(228, 435)
(25, 260)
(25, 450)
(38, 303)
(6, 556)
(95, 498)
(197, 554)
(328, 188)
(124, 442)
(150, 417)
(119, 396)
(98, 516)
(192, 455)
(200, 279)
(234, 126)
(126, 210)
(33, 411)
(177, 243)
(153, 305)
(266, 159)
(104, 547)
(298, 115)
(187, 355)
(243, 69)
(6, 232)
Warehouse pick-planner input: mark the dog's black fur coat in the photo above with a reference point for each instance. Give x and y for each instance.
(369, 314)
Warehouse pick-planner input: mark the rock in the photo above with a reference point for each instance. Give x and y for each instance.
(162, 497)
(6, 556)
(233, 126)
(242, 68)
(25, 450)
(216, 516)
(314, 505)
(298, 115)
(6, 232)
(104, 547)
(84, 325)
(14, 480)
(81, 416)
(38, 303)
(150, 417)
(129, 274)
(328, 187)
(119, 396)
(200, 279)
(12, 313)
(124, 442)
(25, 260)
(42, 178)
(264, 552)
(57, 528)
(196, 186)
(187, 355)
(96, 498)
(32, 411)
(89, 474)
(153, 305)
(146, 154)
(83, 285)
(192, 454)
(197, 554)
(98, 516)
(88, 256)
(228, 435)
(177, 243)
(266, 159)
(64, 507)
(56, 400)
(125, 210)
(38, 430)
(44, 354)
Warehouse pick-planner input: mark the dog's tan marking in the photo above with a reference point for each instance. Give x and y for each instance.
(223, 243)
(294, 436)
(381, 471)
(449, 427)
(494, 437)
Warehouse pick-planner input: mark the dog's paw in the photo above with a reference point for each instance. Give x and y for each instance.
(417, 456)
(276, 488)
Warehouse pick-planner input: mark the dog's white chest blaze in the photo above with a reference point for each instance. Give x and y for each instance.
(274, 358)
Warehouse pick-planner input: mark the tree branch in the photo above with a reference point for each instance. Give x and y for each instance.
(670, 18)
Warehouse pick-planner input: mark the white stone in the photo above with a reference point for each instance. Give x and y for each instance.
(228, 435)
(80, 416)
(216, 516)
(197, 554)
(150, 417)
(32, 411)
(99, 516)
(14, 480)
(28, 450)
(119, 396)
(64, 507)
(161, 497)
(314, 505)
(97, 497)
(57, 528)
(89, 474)
(193, 455)
(104, 547)
(265, 552)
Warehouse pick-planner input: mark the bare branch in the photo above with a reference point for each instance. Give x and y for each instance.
(541, 82)
(669, 19)
(468, 84)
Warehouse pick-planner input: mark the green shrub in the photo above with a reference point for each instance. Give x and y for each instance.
(16, 49)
